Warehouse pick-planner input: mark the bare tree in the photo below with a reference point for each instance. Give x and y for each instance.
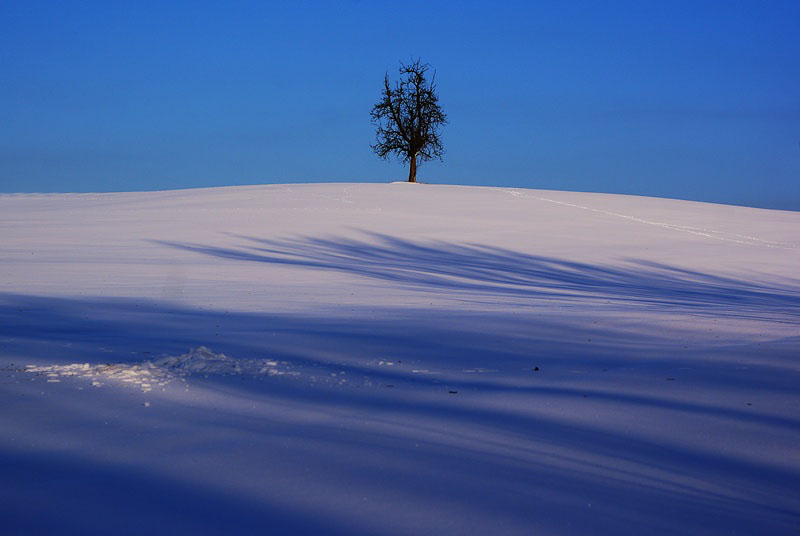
(408, 118)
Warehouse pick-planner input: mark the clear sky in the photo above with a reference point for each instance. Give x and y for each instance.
(687, 99)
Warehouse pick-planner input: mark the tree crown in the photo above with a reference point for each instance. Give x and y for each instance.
(408, 116)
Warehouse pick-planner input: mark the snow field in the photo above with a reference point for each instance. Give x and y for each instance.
(397, 359)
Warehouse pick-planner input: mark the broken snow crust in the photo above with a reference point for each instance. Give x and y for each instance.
(148, 375)
(383, 359)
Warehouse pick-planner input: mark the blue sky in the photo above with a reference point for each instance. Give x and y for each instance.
(687, 99)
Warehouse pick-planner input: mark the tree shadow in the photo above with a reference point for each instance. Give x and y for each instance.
(489, 454)
(96, 497)
(488, 270)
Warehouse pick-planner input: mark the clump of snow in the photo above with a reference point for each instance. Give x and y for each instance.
(161, 372)
(201, 360)
(145, 375)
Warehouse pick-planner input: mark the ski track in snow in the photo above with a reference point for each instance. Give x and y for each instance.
(699, 231)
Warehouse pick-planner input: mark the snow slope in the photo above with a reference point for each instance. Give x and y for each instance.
(397, 359)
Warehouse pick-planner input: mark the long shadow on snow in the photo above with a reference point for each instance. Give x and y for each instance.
(448, 267)
(51, 330)
(98, 498)
(515, 465)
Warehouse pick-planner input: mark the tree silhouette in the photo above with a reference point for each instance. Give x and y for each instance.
(408, 118)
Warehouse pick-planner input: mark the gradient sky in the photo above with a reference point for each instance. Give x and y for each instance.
(686, 99)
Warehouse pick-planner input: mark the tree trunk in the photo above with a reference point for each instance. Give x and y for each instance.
(412, 172)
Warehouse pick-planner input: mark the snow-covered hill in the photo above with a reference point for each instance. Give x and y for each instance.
(397, 359)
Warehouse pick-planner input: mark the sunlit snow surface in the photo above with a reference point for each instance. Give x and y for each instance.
(397, 359)
(148, 375)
